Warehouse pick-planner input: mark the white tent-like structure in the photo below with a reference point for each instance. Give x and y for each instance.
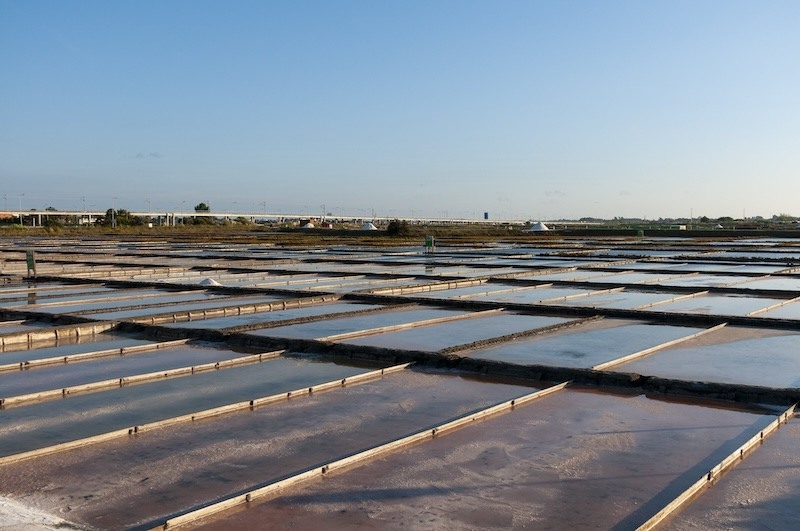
(368, 225)
(538, 227)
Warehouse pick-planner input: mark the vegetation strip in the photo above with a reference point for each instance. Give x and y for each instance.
(712, 475)
(213, 412)
(137, 378)
(28, 364)
(642, 353)
(357, 459)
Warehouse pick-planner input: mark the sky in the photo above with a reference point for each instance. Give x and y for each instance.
(532, 109)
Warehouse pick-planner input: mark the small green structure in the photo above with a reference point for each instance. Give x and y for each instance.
(430, 245)
(31, 259)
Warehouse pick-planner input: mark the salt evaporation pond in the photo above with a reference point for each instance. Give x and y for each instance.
(626, 299)
(787, 311)
(775, 283)
(254, 319)
(437, 337)
(572, 460)
(469, 291)
(644, 266)
(635, 278)
(580, 275)
(50, 292)
(14, 327)
(622, 457)
(319, 329)
(585, 346)
(48, 423)
(83, 297)
(58, 376)
(730, 355)
(58, 348)
(717, 268)
(111, 303)
(532, 295)
(702, 281)
(219, 456)
(760, 268)
(365, 285)
(719, 305)
(734, 503)
(227, 302)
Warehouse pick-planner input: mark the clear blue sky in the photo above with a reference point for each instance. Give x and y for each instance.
(525, 109)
